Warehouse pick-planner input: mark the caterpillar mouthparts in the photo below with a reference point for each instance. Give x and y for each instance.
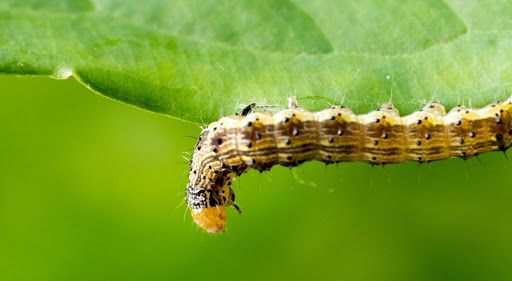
(231, 146)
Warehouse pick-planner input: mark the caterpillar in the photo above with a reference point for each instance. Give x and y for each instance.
(232, 145)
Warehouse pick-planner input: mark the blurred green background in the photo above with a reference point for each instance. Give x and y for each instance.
(92, 189)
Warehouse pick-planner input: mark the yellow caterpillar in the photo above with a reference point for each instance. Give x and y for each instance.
(234, 144)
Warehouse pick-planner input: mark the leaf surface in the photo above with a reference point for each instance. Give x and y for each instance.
(199, 60)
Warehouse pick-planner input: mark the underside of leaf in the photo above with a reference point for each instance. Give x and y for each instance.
(199, 60)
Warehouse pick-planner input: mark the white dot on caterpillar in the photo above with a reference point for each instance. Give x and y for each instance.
(257, 135)
(295, 131)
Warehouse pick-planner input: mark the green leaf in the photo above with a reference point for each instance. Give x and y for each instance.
(199, 60)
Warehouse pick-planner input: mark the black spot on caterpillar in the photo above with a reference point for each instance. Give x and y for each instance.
(234, 144)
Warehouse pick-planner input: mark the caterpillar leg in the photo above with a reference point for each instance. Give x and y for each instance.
(237, 208)
(292, 103)
(248, 109)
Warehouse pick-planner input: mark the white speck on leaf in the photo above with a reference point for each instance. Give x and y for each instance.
(62, 73)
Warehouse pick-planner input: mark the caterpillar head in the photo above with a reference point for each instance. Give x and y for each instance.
(208, 206)
(211, 219)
